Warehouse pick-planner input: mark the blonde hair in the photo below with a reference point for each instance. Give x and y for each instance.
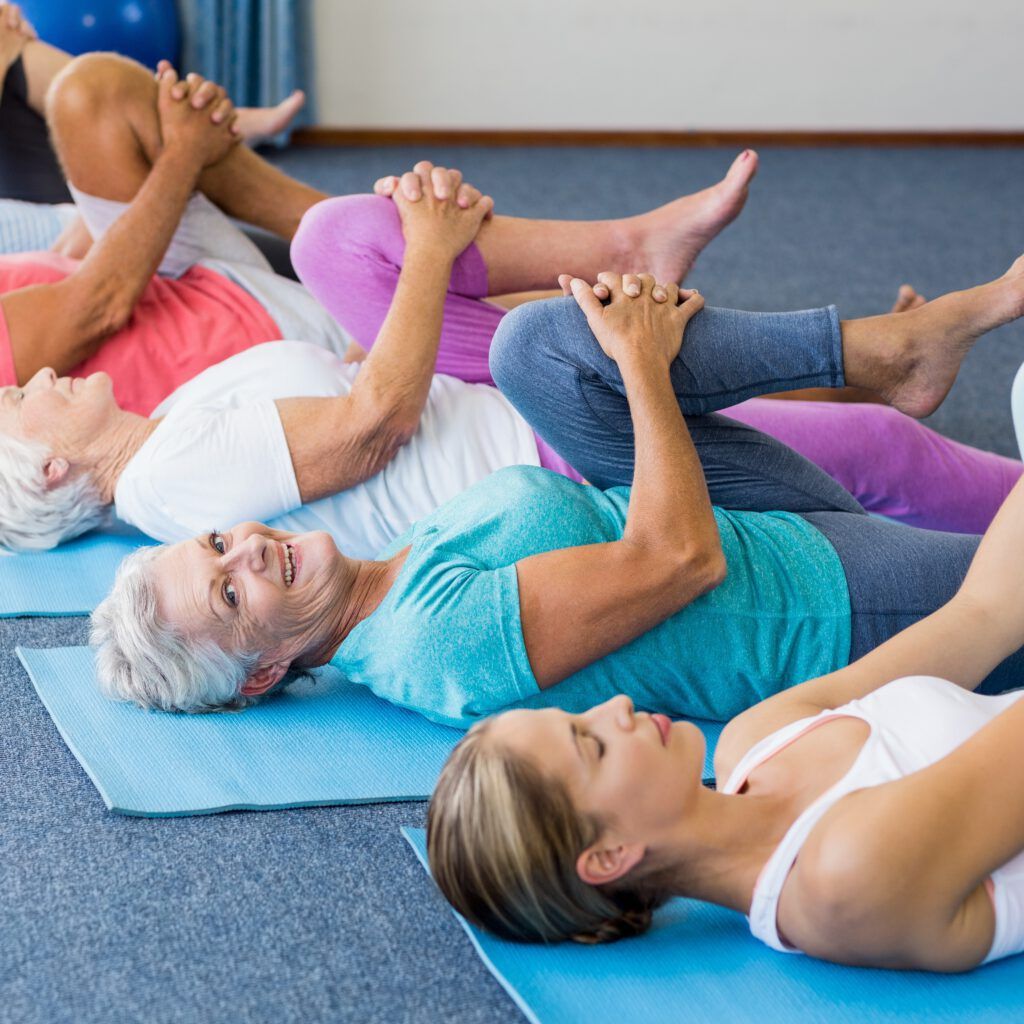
(503, 840)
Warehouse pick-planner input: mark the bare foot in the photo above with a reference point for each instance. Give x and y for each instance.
(667, 241)
(912, 358)
(257, 123)
(907, 298)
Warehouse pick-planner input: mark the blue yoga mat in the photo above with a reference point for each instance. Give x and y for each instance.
(700, 963)
(324, 741)
(70, 580)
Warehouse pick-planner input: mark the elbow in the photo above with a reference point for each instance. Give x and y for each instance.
(703, 568)
(108, 316)
(388, 433)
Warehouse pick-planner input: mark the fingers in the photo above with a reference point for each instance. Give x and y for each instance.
(223, 111)
(611, 284)
(440, 182)
(411, 186)
(386, 186)
(467, 196)
(600, 290)
(693, 302)
(631, 285)
(204, 92)
(585, 298)
(666, 293)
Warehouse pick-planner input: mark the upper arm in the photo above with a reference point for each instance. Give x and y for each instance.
(868, 888)
(336, 443)
(579, 604)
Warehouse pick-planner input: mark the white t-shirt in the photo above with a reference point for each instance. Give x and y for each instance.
(219, 455)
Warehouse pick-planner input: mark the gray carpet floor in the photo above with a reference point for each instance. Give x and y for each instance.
(323, 915)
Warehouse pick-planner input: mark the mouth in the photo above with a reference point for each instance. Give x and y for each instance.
(289, 564)
(664, 726)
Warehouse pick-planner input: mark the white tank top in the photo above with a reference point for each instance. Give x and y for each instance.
(914, 722)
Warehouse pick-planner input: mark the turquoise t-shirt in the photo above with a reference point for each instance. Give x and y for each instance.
(447, 639)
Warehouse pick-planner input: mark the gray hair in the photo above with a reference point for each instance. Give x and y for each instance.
(34, 517)
(141, 659)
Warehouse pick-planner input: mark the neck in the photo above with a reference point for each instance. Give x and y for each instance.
(366, 584)
(724, 843)
(114, 448)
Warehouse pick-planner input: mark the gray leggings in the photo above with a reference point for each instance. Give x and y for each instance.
(548, 364)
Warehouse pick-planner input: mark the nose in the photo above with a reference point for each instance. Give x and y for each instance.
(45, 378)
(617, 711)
(250, 554)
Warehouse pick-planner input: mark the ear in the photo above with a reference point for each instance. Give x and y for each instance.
(263, 679)
(55, 472)
(605, 862)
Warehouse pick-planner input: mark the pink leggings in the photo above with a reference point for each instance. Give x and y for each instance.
(348, 251)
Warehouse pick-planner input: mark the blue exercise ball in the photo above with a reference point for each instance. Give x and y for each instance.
(144, 29)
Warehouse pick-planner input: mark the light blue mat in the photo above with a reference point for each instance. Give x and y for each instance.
(322, 742)
(700, 963)
(70, 580)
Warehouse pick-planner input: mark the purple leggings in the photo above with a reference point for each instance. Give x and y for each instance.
(348, 251)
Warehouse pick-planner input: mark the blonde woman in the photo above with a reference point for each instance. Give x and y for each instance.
(872, 816)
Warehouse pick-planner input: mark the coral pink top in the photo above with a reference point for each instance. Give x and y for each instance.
(179, 327)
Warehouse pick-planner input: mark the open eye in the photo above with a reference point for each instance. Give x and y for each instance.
(230, 594)
(217, 542)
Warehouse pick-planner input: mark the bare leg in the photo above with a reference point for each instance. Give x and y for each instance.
(102, 115)
(42, 64)
(524, 255)
(911, 358)
(906, 298)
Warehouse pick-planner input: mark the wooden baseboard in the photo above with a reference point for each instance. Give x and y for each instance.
(323, 136)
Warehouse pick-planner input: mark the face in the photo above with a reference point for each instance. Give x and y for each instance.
(64, 413)
(635, 772)
(253, 589)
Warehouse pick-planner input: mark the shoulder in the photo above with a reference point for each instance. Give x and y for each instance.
(846, 899)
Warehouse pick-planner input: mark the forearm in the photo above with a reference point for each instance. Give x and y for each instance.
(395, 377)
(995, 580)
(120, 265)
(669, 504)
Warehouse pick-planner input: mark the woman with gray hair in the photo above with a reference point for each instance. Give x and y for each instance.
(686, 607)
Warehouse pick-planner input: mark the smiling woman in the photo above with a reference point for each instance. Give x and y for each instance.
(686, 607)
(231, 592)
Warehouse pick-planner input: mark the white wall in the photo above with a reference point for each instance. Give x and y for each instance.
(670, 64)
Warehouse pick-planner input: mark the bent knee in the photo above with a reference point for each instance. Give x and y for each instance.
(359, 223)
(93, 79)
(535, 342)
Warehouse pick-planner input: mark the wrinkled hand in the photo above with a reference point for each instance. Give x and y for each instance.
(196, 115)
(410, 185)
(15, 31)
(642, 319)
(437, 220)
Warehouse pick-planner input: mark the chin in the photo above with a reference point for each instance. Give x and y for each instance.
(315, 551)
